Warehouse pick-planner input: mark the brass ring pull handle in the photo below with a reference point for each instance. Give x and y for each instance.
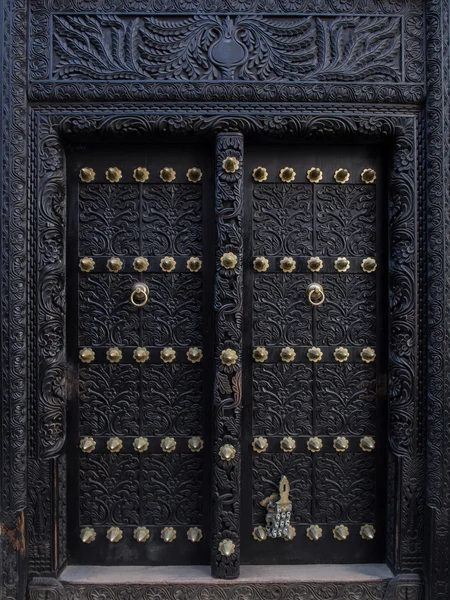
(139, 295)
(316, 295)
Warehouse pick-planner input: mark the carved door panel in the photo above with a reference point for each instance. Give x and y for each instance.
(140, 372)
(314, 396)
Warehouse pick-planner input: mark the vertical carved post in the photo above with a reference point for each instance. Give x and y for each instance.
(226, 484)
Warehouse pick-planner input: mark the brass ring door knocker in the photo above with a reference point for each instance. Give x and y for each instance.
(316, 295)
(139, 295)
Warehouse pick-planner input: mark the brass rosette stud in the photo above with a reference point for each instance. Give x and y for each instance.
(367, 443)
(141, 355)
(114, 355)
(367, 532)
(87, 535)
(342, 264)
(194, 534)
(340, 444)
(168, 355)
(228, 357)
(341, 175)
(368, 355)
(287, 354)
(340, 532)
(114, 444)
(194, 355)
(195, 444)
(229, 260)
(314, 175)
(87, 444)
(86, 264)
(315, 264)
(168, 264)
(140, 264)
(260, 444)
(288, 444)
(167, 174)
(227, 452)
(114, 264)
(291, 533)
(86, 174)
(261, 264)
(113, 174)
(141, 174)
(259, 533)
(168, 534)
(86, 355)
(369, 265)
(230, 164)
(140, 444)
(194, 174)
(194, 264)
(226, 547)
(314, 444)
(114, 534)
(260, 174)
(168, 444)
(260, 354)
(341, 354)
(368, 176)
(287, 264)
(141, 534)
(314, 533)
(287, 174)
(314, 354)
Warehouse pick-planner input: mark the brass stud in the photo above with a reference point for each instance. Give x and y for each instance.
(167, 174)
(114, 444)
(229, 260)
(261, 264)
(291, 533)
(230, 164)
(194, 355)
(314, 533)
(140, 264)
(260, 174)
(315, 264)
(259, 533)
(87, 174)
(87, 444)
(195, 444)
(368, 175)
(227, 452)
(141, 355)
(168, 264)
(340, 444)
(168, 534)
(114, 355)
(194, 174)
(342, 264)
(86, 264)
(194, 534)
(369, 265)
(314, 354)
(226, 547)
(114, 264)
(314, 175)
(194, 264)
(113, 174)
(228, 357)
(341, 354)
(314, 444)
(288, 264)
(87, 535)
(287, 174)
(340, 532)
(287, 444)
(86, 355)
(168, 355)
(260, 444)
(141, 174)
(287, 354)
(140, 444)
(341, 176)
(141, 534)
(114, 534)
(368, 355)
(168, 444)
(367, 444)
(260, 354)
(367, 532)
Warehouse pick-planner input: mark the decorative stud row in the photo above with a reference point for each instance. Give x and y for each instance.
(314, 175)
(287, 354)
(140, 355)
(314, 444)
(140, 264)
(315, 264)
(314, 533)
(140, 174)
(140, 534)
(140, 444)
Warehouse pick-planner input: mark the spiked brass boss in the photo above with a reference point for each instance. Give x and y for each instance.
(315, 294)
